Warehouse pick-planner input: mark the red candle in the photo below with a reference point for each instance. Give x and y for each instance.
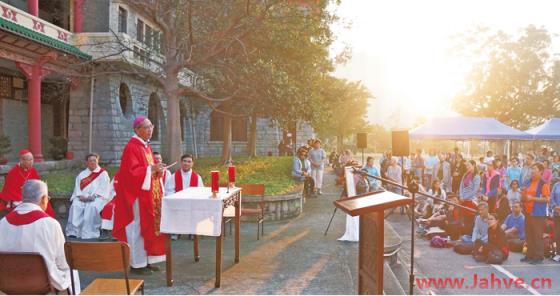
(231, 173)
(215, 175)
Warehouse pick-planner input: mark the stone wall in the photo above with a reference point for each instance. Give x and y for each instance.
(268, 136)
(112, 126)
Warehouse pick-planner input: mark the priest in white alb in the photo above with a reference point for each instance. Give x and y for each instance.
(184, 177)
(91, 193)
(29, 229)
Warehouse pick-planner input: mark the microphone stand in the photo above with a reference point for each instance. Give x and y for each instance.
(413, 189)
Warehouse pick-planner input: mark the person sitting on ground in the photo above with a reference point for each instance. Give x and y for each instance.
(495, 250)
(503, 208)
(447, 218)
(29, 229)
(479, 232)
(91, 193)
(394, 173)
(514, 227)
(427, 206)
(10, 196)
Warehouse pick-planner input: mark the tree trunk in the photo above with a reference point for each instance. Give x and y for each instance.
(340, 143)
(226, 149)
(252, 149)
(172, 143)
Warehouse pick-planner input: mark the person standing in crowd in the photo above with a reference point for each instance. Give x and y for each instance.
(442, 171)
(514, 227)
(91, 193)
(514, 193)
(301, 171)
(547, 173)
(513, 172)
(370, 169)
(430, 163)
(489, 158)
(385, 163)
(418, 165)
(527, 171)
(496, 250)
(491, 184)
(555, 208)
(555, 166)
(346, 157)
(138, 201)
(543, 155)
(535, 197)
(501, 167)
(317, 157)
(468, 191)
(394, 173)
(458, 169)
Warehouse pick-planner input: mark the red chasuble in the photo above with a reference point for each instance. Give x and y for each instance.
(18, 219)
(134, 163)
(107, 211)
(193, 182)
(15, 179)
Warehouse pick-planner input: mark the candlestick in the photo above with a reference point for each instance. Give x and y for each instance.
(231, 175)
(215, 177)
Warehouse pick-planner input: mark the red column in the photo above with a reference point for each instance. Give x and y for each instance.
(35, 74)
(33, 7)
(78, 15)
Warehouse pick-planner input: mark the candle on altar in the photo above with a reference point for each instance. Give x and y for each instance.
(215, 177)
(231, 174)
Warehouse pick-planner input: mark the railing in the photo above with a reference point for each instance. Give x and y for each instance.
(24, 19)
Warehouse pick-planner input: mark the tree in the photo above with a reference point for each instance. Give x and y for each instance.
(511, 78)
(343, 109)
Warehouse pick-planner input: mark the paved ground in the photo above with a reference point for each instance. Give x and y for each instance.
(294, 257)
(444, 263)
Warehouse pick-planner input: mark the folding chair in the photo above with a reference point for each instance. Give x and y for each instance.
(24, 273)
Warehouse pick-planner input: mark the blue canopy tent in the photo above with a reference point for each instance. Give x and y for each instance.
(548, 131)
(468, 128)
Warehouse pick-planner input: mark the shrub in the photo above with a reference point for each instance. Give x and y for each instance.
(59, 146)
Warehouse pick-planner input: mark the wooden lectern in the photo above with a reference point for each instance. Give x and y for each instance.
(370, 207)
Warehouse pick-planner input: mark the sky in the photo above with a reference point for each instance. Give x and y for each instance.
(401, 49)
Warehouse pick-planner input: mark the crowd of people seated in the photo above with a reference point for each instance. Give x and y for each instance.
(515, 202)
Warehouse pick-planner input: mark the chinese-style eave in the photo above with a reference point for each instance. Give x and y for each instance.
(21, 49)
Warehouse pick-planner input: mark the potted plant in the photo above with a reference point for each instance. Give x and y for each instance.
(59, 146)
(69, 155)
(5, 148)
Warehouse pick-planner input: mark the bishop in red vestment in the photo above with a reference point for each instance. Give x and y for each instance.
(138, 200)
(10, 196)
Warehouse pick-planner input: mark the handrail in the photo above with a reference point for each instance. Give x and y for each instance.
(410, 189)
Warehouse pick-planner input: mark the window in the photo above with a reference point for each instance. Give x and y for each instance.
(125, 99)
(148, 36)
(123, 15)
(140, 31)
(216, 127)
(153, 115)
(238, 128)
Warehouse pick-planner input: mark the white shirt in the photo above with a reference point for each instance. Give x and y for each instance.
(186, 177)
(43, 236)
(100, 187)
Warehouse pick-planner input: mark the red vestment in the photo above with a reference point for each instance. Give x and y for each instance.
(15, 179)
(107, 211)
(136, 159)
(193, 182)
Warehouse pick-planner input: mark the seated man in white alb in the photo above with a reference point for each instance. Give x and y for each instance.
(91, 193)
(29, 229)
(185, 177)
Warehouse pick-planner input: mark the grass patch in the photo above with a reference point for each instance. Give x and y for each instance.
(273, 172)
